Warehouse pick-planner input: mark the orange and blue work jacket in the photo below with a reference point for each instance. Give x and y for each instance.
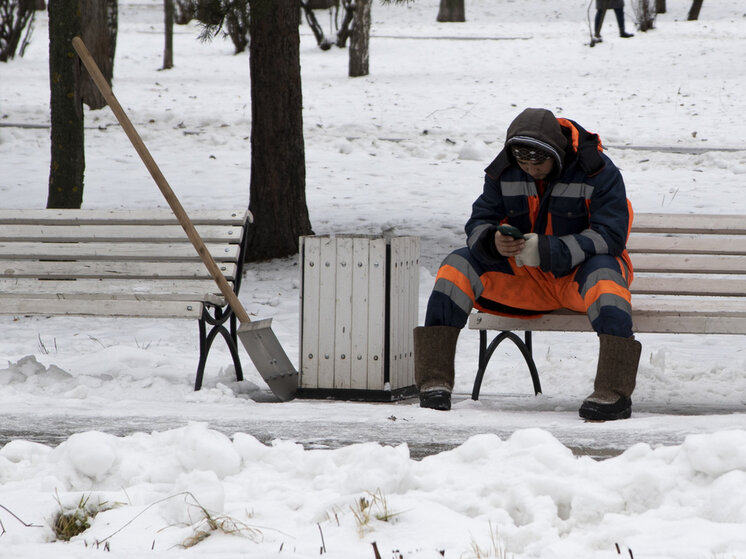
(582, 212)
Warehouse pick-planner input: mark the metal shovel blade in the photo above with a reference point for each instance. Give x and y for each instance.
(269, 358)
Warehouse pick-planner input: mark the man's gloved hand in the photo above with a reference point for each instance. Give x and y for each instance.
(529, 256)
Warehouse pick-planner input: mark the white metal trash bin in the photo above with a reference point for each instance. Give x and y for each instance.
(359, 305)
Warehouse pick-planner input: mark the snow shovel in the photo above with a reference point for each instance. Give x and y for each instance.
(260, 341)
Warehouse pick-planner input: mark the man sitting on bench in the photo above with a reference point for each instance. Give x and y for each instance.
(567, 204)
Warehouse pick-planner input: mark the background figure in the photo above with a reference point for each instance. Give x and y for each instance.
(618, 7)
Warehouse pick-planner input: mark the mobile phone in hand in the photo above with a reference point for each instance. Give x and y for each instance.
(510, 231)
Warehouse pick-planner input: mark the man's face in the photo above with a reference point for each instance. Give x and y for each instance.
(539, 170)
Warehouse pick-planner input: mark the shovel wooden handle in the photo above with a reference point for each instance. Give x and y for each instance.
(160, 180)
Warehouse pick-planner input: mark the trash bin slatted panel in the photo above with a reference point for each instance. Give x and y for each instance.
(327, 295)
(360, 312)
(342, 313)
(310, 294)
(376, 314)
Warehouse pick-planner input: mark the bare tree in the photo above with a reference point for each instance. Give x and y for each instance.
(357, 16)
(451, 11)
(227, 17)
(360, 40)
(645, 13)
(168, 22)
(694, 10)
(277, 191)
(16, 16)
(99, 23)
(183, 11)
(237, 25)
(278, 169)
(68, 157)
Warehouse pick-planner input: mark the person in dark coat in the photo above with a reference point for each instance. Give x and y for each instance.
(552, 182)
(618, 7)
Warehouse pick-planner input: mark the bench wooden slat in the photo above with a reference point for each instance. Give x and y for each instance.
(115, 251)
(690, 223)
(671, 322)
(671, 306)
(688, 306)
(115, 288)
(81, 269)
(658, 323)
(123, 217)
(101, 307)
(116, 233)
(686, 244)
(662, 285)
(692, 263)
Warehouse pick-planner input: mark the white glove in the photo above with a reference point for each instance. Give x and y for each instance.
(529, 256)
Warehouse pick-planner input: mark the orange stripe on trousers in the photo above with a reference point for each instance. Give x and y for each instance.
(457, 278)
(604, 287)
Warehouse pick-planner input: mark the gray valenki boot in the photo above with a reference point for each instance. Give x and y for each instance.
(434, 354)
(618, 359)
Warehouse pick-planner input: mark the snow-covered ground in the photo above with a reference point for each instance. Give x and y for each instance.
(103, 411)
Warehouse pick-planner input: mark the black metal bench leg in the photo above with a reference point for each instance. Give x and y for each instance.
(482, 365)
(230, 336)
(486, 351)
(531, 363)
(202, 355)
(218, 329)
(233, 347)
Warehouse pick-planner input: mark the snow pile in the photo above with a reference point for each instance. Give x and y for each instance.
(528, 494)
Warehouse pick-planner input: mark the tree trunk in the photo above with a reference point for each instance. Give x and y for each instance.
(14, 18)
(451, 11)
(360, 40)
(694, 10)
(237, 25)
(646, 15)
(168, 48)
(183, 11)
(660, 6)
(278, 168)
(99, 33)
(68, 158)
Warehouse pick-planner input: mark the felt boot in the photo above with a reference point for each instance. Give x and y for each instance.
(434, 354)
(618, 359)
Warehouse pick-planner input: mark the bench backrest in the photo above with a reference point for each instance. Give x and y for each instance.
(683, 254)
(80, 261)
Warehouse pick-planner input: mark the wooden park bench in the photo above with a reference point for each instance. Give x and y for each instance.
(690, 278)
(122, 263)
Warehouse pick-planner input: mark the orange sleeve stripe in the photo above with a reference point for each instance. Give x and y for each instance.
(603, 287)
(457, 278)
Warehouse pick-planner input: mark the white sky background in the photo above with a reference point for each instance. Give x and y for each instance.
(405, 148)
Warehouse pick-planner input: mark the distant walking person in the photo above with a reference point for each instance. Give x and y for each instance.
(618, 7)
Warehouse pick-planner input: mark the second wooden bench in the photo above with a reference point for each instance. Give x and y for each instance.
(690, 278)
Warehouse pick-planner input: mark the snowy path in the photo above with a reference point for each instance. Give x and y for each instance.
(334, 424)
